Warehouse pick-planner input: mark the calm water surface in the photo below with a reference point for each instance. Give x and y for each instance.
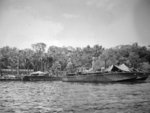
(61, 97)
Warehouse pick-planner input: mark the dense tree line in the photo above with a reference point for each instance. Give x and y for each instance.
(57, 58)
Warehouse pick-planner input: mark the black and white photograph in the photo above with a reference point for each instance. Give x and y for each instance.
(74, 56)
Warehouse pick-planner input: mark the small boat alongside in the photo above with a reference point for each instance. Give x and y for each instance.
(141, 76)
(40, 76)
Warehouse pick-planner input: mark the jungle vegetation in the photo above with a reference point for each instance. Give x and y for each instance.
(40, 59)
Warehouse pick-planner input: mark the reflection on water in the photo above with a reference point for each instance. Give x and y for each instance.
(61, 97)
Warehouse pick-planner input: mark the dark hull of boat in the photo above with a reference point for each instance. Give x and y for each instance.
(41, 78)
(142, 76)
(4, 79)
(101, 77)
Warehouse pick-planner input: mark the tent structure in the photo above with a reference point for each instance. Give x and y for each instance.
(124, 68)
(112, 68)
(120, 68)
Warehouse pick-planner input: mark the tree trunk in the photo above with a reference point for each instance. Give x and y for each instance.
(105, 64)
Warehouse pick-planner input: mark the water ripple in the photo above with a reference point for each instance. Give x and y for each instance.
(61, 97)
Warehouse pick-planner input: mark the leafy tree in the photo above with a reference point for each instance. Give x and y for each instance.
(97, 50)
(39, 49)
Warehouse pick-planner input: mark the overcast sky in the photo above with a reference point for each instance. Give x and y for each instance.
(76, 23)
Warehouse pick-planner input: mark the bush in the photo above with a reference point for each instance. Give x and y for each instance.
(145, 66)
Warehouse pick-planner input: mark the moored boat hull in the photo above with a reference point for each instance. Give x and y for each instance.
(101, 77)
(41, 78)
